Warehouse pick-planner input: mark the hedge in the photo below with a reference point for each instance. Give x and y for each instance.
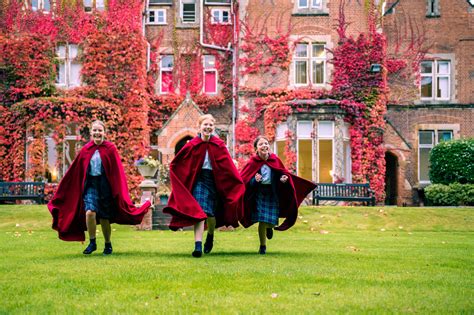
(450, 195)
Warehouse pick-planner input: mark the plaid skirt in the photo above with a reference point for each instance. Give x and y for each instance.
(205, 192)
(96, 199)
(267, 207)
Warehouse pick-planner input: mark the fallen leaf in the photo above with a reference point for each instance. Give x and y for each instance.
(274, 295)
(382, 230)
(323, 232)
(400, 227)
(305, 221)
(353, 248)
(17, 225)
(317, 293)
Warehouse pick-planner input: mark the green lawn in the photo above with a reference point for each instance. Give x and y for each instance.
(334, 260)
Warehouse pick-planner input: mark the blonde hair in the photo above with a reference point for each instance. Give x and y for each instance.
(98, 122)
(204, 117)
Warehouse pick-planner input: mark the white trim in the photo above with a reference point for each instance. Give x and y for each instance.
(332, 138)
(68, 60)
(434, 142)
(155, 16)
(298, 137)
(309, 59)
(304, 7)
(181, 11)
(164, 69)
(434, 75)
(220, 19)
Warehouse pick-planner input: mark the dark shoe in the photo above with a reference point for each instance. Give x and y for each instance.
(92, 247)
(269, 233)
(197, 249)
(262, 250)
(107, 249)
(209, 243)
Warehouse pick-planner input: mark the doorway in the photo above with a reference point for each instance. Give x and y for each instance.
(391, 178)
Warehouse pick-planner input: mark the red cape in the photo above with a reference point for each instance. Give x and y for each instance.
(290, 194)
(184, 171)
(67, 205)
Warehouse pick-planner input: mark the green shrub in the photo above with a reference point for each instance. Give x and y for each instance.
(452, 162)
(450, 195)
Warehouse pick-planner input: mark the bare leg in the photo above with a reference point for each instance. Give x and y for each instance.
(106, 230)
(91, 223)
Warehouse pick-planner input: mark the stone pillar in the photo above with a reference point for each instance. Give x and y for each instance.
(149, 189)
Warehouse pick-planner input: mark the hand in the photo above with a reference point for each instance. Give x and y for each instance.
(283, 178)
(258, 177)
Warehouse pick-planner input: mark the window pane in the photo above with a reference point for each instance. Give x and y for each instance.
(160, 16)
(73, 51)
(99, 4)
(445, 135)
(426, 67)
(304, 129)
(225, 16)
(167, 61)
(281, 150)
(151, 17)
(210, 82)
(61, 75)
(166, 81)
(87, 3)
(305, 168)
(316, 3)
(301, 50)
(52, 156)
(325, 129)
(209, 62)
(61, 51)
(443, 67)
(281, 131)
(46, 5)
(325, 161)
(443, 88)
(75, 77)
(34, 5)
(318, 72)
(303, 3)
(300, 72)
(424, 164)
(318, 50)
(426, 87)
(426, 137)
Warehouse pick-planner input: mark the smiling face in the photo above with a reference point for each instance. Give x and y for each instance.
(97, 133)
(206, 128)
(263, 148)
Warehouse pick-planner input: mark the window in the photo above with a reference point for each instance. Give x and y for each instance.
(220, 16)
(432, 8)
(90, 5)
(210, 74)
(188, 11)
(427, 139)
(304, 148)
(435, 80)
(68, 68)
(310, 64)
(325, 151)
(280, 140)
(156, 16)
(166, 74)
(41, 5)
(306, 4)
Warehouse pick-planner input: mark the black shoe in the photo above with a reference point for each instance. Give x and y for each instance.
(197, 249)
(262, 250)
(269, 233)
(197, 253)
(209, 243)
(92, 247)
(107, 249)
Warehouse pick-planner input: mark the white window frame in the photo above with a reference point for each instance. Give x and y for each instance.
(330, 137)
(183, 2)
(98, 5)
(156, 15)
(164, 69)
(280, 136)
(303, 6)
(209, 69)
(310, 59)
(434, 142)
(316, 5)
(304, 137)
(40, 6)
(434, 75)
(67, 60)
(220, 19)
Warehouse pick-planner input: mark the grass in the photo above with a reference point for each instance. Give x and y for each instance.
(334, 260)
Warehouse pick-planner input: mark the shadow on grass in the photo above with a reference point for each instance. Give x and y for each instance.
(125, 254)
